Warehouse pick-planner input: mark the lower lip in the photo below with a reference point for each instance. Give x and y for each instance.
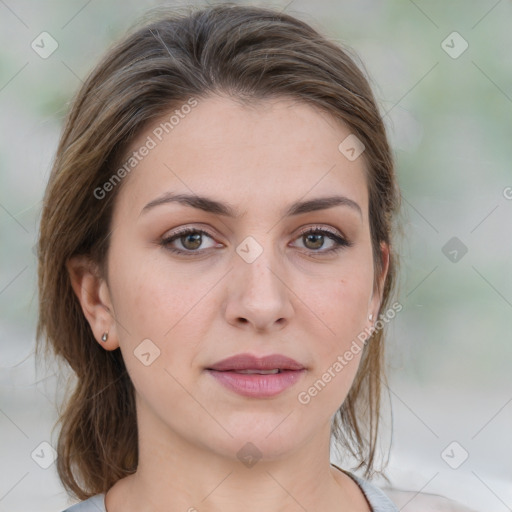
(257, 385)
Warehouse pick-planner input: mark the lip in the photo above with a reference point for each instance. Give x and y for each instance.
(251, 362)
(257, 385)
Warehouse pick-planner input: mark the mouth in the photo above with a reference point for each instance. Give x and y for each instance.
(249, 376)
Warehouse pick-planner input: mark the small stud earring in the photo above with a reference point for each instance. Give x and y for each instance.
(105, 336)
(370, 317)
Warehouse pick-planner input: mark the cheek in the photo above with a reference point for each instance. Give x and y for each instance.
(338, 351)
(156, 338)
(343, 304)
(155, 301)
(149, 296)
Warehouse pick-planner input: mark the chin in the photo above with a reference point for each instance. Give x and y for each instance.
(261, 442)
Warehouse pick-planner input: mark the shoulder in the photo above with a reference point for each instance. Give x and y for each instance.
(93, 504)
(377, 499)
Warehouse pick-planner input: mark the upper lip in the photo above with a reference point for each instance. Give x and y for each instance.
(250, 362)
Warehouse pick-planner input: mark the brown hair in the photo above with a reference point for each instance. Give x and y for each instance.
(249, 53)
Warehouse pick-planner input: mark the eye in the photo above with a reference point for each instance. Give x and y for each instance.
(189, 238)
(314, 239)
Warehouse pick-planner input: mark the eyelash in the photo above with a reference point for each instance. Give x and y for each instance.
(340, 242)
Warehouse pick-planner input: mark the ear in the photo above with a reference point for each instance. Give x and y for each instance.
(376, 298)
(94, 297)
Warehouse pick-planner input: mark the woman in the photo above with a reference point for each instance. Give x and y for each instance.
(216, 267)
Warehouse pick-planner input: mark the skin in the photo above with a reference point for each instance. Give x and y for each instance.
(291, 300)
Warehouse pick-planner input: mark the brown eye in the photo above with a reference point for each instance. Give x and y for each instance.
(314, 239)
(190, 240)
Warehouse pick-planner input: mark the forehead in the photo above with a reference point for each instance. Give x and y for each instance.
(262, 156)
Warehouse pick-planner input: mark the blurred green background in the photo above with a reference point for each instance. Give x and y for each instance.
(449, 115)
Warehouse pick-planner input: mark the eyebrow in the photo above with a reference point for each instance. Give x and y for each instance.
(218, 208)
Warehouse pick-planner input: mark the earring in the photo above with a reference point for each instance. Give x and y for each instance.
(105, 336)
(370, 317)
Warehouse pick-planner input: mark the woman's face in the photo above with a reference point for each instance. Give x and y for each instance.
(246, 279)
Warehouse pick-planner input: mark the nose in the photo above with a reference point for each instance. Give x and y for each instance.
(258, 294)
